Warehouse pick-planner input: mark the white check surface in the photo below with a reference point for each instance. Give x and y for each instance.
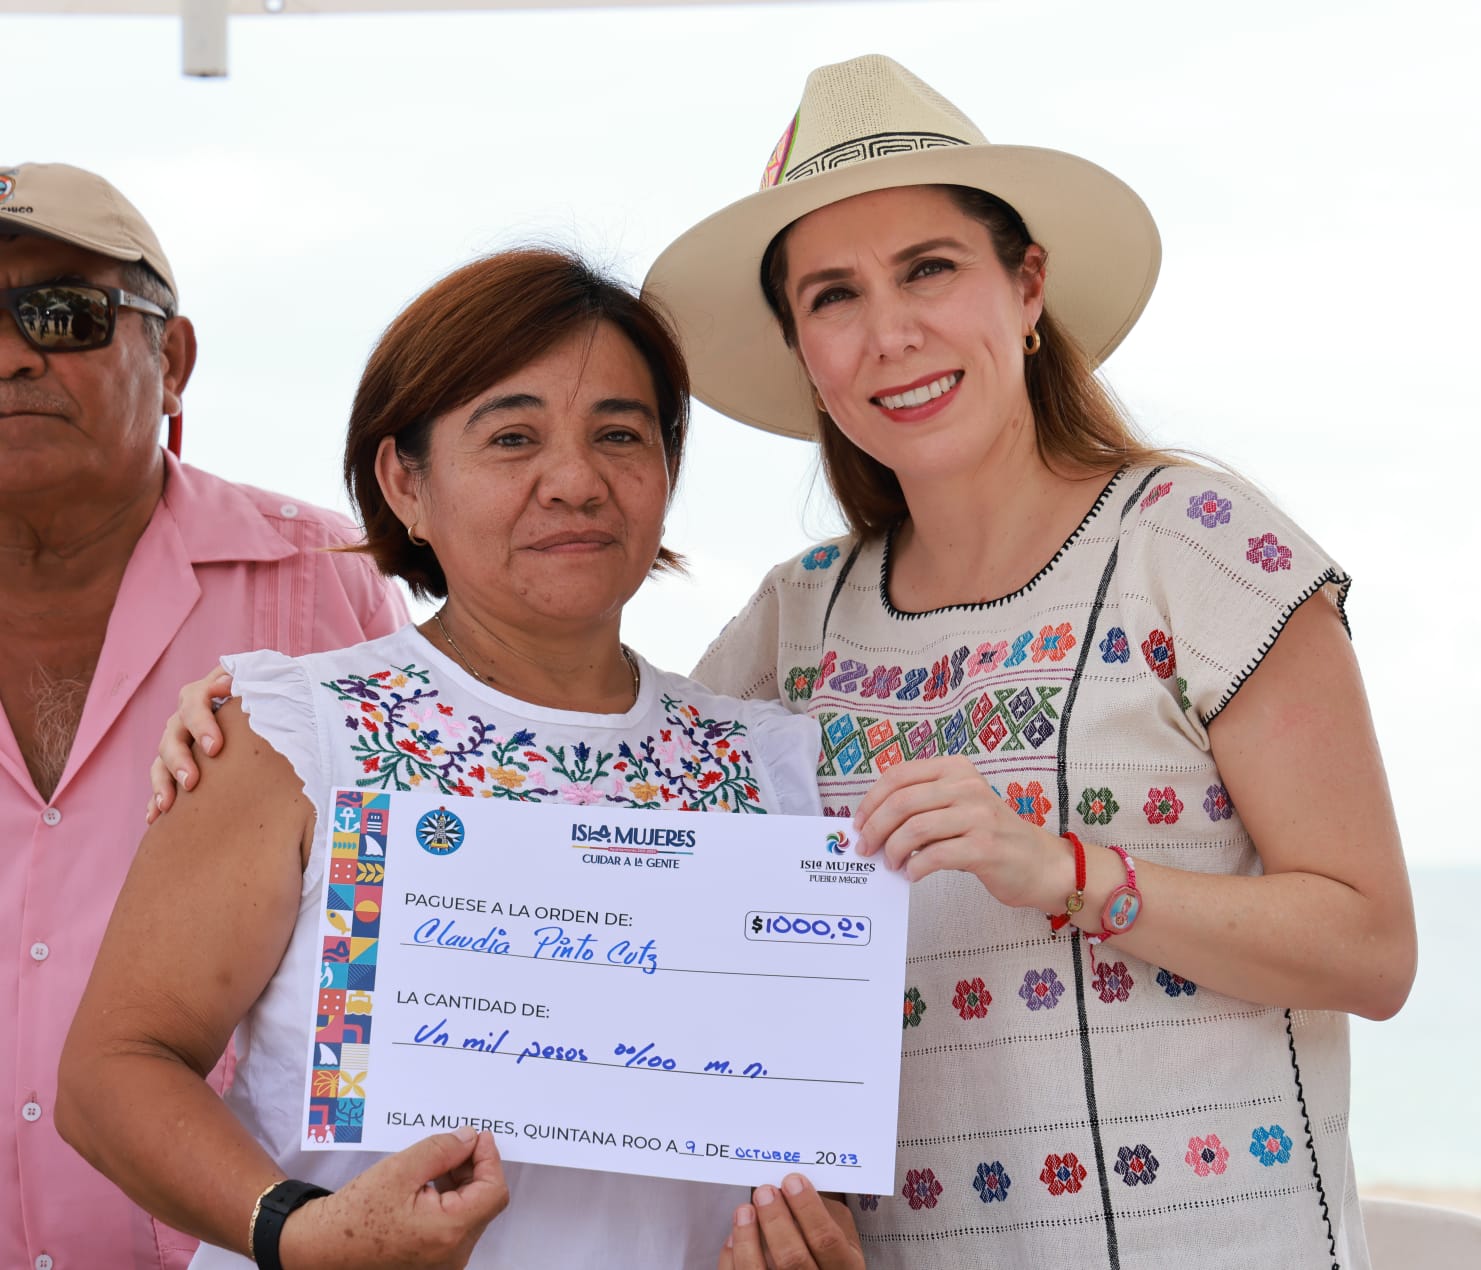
(702, 996)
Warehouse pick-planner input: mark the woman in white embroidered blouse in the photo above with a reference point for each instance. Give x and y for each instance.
(512, 449)
(971, 651)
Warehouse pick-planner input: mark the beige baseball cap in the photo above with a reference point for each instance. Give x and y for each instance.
(59, 201)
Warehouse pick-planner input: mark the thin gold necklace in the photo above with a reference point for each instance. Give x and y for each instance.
(627, 656)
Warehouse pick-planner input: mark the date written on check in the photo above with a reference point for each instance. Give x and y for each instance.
(703, 996)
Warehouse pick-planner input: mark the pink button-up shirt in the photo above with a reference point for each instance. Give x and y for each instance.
(220, 568)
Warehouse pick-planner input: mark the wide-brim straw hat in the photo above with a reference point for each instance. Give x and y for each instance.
(869, 124)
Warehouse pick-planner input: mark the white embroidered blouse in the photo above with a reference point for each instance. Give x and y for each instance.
(1053, 1113)
(395, 713)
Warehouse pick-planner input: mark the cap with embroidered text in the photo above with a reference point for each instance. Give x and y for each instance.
(57, 200)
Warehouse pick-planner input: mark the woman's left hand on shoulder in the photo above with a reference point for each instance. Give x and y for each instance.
(941, 813)
(792, 1227)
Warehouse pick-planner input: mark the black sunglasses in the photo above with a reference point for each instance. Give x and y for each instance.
(71, 317)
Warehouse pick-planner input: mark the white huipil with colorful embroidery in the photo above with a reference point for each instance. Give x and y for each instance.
(1055, 1112)
(395, 713)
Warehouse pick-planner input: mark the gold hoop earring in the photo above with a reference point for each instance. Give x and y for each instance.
(817, 401)
(411, 533)
(1032, 342)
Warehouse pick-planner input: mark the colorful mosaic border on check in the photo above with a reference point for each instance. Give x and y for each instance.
(352, 917)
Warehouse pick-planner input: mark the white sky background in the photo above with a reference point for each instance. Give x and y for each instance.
(1312, 167)
(1313, 170)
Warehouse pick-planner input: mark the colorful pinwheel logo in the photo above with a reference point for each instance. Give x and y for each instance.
(838, 842)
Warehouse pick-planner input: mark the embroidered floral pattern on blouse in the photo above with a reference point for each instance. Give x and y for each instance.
(921, 1188)
(1175, 985)
(1266, 552)
(1156, 494)
(1112, 982)
(1062, 1174)
(405, 736)
(992, 1182)
(914, 1008)
(1028, 801)
(1137, 1165)
(1270, 1146)
(1041, 989)
(1216, 803)
(939, 681)
(1207, 1155)
(799, 683)
(882, 683)
(1097, 806)
(972, 999)
(1157, 649)
(1210, 508)
(868, 1203)
(1020, 649)
(863, 741)
(821, 557)
(802, 681)
(1053, 642)
(1115, 647)
(1163, 806)
(988, 657)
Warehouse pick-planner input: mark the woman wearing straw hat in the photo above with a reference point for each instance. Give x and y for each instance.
(1154, 855)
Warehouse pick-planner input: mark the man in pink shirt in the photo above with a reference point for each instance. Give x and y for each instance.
(123, 573)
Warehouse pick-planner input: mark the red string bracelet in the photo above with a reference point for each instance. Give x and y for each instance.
(1075, 900)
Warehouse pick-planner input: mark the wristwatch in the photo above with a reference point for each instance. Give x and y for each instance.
(271, 1212)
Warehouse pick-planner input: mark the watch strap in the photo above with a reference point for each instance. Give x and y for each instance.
(274, 1206)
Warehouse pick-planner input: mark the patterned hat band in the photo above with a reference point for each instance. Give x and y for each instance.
(859, 150)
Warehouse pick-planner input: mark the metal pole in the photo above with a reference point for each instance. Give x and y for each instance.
(203, 37)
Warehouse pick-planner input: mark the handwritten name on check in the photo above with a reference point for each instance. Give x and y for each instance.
(701, 996)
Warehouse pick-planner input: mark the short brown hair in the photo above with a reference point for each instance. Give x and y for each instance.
(476, 326)
(1076, 420)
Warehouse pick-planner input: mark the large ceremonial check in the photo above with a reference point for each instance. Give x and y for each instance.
(704, 996)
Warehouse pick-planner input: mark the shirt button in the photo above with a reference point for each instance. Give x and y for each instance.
(43, 1262)
(52, 816)
(290, 510)
(31, 1111)
(39, 951)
